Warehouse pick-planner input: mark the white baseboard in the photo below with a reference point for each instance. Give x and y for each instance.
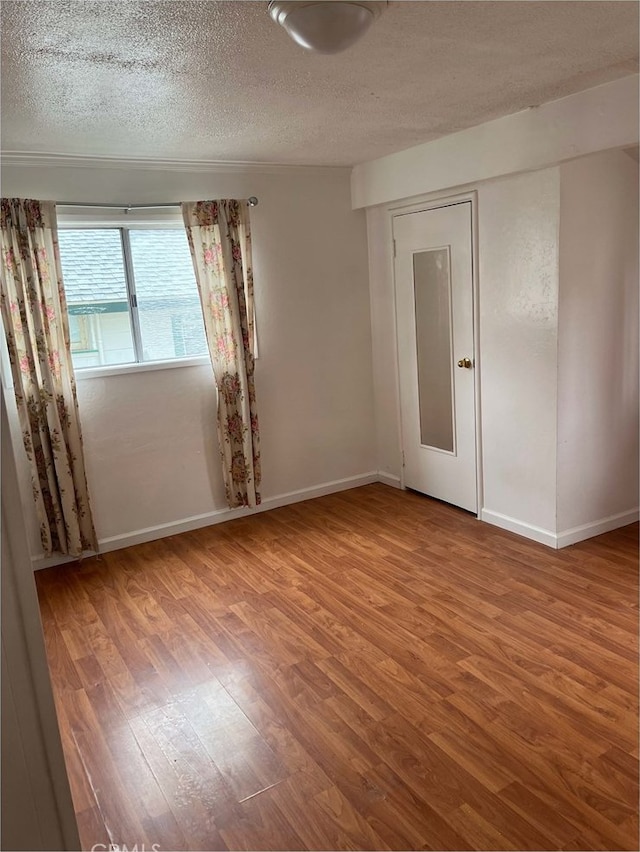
(604, 525)
(513, 525)
(218, 516)
(389, 479)
(566, 537)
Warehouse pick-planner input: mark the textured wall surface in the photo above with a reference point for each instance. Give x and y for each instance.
(598, 339)
(518, 248)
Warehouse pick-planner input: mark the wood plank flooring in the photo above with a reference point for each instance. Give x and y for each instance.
(368, 670)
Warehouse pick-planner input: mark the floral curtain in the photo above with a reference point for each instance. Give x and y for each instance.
(34, 316)
(220, 241)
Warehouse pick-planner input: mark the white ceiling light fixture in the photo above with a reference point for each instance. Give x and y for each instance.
(326, 27)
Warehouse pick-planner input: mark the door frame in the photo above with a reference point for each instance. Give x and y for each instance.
(394, 211)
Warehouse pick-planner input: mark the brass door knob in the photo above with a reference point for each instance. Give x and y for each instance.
(465, 363)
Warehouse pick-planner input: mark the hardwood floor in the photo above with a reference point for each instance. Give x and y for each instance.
(368, 670)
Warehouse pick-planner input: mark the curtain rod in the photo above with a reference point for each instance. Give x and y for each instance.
(252, 202)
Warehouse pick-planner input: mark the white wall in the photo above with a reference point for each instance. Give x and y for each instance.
(384, 345)
(598, 340)
(518, 297)
(150, 436)
(518, 220)
(558, 347)
(543, 317)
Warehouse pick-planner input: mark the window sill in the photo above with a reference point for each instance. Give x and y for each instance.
(82, 373)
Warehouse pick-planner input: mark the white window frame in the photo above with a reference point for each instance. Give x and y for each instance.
(170, 219)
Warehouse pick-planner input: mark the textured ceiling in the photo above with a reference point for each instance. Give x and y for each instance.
(221, 81)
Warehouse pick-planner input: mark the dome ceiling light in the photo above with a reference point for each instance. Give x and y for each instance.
(326, 27)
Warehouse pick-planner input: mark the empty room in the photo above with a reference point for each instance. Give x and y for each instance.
(319, 380)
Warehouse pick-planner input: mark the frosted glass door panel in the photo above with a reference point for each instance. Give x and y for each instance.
(432, 291)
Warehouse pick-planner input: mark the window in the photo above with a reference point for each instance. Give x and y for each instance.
(131, 295)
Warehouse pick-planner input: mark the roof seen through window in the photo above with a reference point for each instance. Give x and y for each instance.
(93, 267)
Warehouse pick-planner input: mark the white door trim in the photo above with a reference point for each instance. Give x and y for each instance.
(419, 207)
(35, 787)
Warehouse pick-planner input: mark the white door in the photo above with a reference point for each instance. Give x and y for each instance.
(434, 314)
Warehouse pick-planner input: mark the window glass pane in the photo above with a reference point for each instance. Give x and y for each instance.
(169, 309)
(96, 292)
(432, 285)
